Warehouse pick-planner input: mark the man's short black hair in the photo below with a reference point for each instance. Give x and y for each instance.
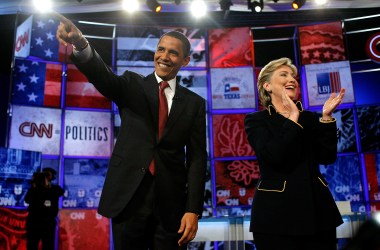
(180, 36)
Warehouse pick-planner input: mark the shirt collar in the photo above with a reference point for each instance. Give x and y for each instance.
(271, 109)
(171, 82)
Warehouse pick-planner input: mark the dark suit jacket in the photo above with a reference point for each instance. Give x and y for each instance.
(180, 155)
(292, 196)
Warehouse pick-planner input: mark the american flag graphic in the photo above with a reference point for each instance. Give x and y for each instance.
(136, 45)
(81, 93)
(36, 83)
(44, 44)
(328, 82)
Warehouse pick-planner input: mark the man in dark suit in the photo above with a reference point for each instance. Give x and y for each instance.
(154, 187)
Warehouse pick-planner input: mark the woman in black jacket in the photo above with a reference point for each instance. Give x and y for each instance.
(293, 207)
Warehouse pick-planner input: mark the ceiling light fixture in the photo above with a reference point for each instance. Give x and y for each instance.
(256, 6)
(153, 5)
(130, 5)
(297, 4)
(320, 2)
(43, 6)
(225, 4)
(198, 8)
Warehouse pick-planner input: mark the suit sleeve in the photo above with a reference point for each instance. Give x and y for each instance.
(327, 142)
(196, 162)
(103, 78)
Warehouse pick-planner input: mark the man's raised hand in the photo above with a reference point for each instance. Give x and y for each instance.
(68, 33)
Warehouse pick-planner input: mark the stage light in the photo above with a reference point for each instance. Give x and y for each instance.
(198, 8)
(131, 5)
(297, 4)
(225, 4)
(376, 217)
(320, 2)
(153, 5)
(256, 6)
(43, 6)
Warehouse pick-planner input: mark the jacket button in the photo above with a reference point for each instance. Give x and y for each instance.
(143, 170)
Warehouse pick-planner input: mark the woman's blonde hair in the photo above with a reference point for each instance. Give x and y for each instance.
(266, 74)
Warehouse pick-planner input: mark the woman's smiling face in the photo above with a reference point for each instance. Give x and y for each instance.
(282, 78)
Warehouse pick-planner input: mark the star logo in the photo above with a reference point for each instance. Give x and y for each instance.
(21, 86)
(22, 68)
(40, 24)
(39, 41)
(336, 55)
(48, 53)
(305, 54)
(50, 36)
(316, 54)
(33, 78)
(32, 97)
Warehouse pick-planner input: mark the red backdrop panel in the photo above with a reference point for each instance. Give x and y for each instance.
(231, 47)
(81, 93)
(236, 182)
(229, 136)
(322, 43)
(83, 230)
(12, 229)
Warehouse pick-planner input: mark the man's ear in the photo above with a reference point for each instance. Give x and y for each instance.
(186, 61)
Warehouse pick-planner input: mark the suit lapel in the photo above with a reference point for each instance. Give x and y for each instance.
(179, 103)
(151, 89)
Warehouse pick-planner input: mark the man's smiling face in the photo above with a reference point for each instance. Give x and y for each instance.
(169, 57)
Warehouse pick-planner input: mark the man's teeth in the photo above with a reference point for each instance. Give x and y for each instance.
(163, 65)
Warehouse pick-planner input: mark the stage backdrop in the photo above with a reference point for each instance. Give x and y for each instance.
(60, 120)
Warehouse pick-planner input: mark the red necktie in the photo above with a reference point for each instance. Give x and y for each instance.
(162, 115)
(162, 109)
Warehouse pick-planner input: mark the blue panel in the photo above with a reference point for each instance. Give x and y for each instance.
(367, 88)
